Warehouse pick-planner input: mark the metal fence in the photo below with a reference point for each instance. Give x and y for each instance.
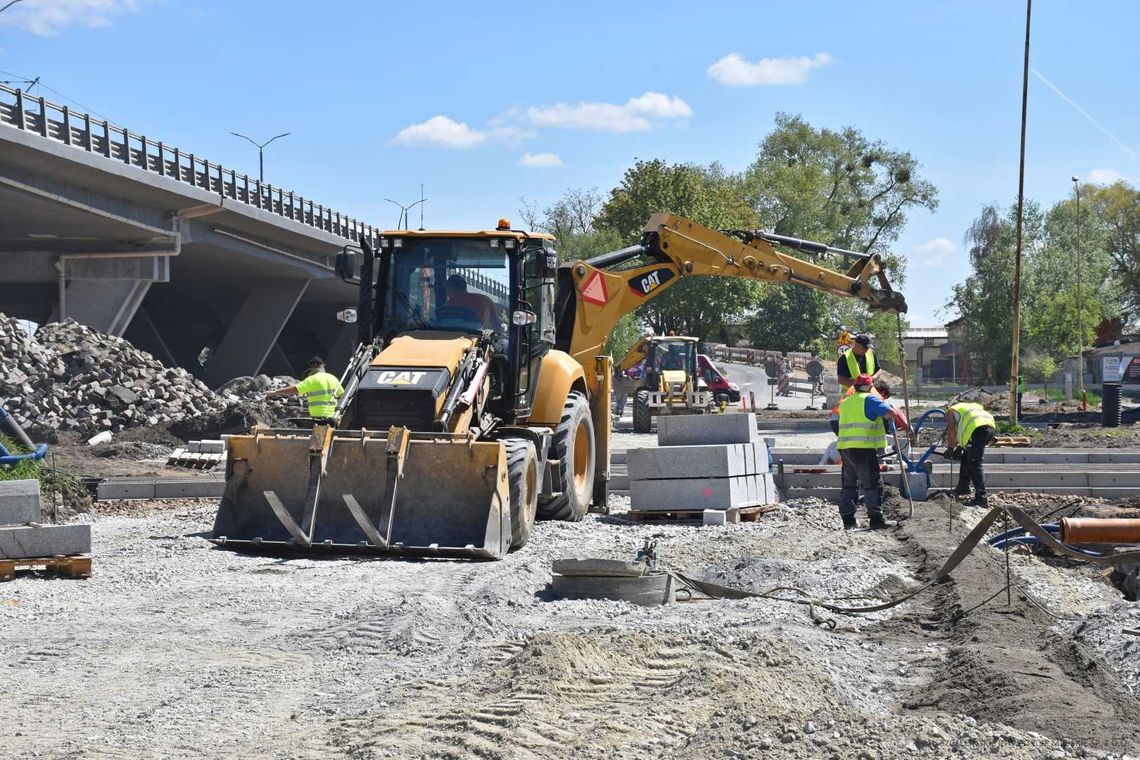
(99, 137)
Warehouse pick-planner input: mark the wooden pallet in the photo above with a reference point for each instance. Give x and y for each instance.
(74, 566)
(734, 514)
(1011, 440)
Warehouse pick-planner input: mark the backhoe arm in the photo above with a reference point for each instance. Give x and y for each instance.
(595, 293)
(635, 355)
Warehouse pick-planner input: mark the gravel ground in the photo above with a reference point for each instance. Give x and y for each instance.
(177, 649)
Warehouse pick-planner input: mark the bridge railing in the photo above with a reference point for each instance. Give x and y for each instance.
(99, 136)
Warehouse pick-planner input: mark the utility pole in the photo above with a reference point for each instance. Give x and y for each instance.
(1080, 311)
(1013, 362)
(261, 151)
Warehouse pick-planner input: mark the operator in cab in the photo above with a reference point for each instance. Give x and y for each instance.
(859, 360)
(319, 389)
(466, 306)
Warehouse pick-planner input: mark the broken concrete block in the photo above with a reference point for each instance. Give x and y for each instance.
(104, 437)
(19, 501)
(679, 462)
(715, 517)
(44, 541)
(696, 494)
(706, 429)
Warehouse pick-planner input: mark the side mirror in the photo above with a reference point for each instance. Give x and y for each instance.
(345, 266)
(347, 316)
(521, 318)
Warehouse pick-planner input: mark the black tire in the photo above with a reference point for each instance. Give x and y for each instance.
(522, 480)
(642, 416)
(573, 444)
(722, 398)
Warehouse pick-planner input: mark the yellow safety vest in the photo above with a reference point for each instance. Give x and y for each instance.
(970, 418)
(321, 391)
(856, 430)
(853, 363)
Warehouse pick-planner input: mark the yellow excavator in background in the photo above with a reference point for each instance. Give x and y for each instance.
(479, 395)
(670, 381)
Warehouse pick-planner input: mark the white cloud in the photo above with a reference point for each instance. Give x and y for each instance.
(48, 17)
(540, 160)
(1103, 176)
(735, 71)
(934, 252)
(444, 132)
(635, 115)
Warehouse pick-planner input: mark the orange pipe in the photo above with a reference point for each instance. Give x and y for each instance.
(1100, 530)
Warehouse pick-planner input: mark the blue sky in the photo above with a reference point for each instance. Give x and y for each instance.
(476, 100)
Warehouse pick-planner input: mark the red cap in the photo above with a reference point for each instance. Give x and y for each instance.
(863, 380)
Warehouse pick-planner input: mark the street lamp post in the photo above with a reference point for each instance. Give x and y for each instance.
(261, 151)
(1080, 312)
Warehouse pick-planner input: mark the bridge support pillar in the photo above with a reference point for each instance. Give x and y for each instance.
(105, 291)
(254, 330)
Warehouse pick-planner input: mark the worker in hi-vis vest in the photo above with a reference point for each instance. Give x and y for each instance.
(319, 389)
(863, 421)
(858, 360)
(969, 429)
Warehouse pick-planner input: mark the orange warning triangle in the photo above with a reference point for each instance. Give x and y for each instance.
(594, 289)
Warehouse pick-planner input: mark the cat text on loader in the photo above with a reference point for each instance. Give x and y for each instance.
(479, 396)
(671, 379)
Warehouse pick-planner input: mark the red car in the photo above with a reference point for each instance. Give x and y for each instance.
(717, 383)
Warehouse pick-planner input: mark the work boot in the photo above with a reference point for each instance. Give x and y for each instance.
(962, 491)
(849, 522)
(979, 501)
(877, 521)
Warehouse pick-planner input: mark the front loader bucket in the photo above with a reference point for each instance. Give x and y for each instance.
(451, 499)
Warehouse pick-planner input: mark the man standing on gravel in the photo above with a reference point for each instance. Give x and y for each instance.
(319, 388)
(863, 420)
(969, 429)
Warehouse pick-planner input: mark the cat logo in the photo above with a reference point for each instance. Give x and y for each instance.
(391, 377)
(650, 281)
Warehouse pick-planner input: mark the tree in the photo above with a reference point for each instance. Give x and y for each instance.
(985, 299)
(790, 318)
(1117, 207)
(844, 189)
(705, 194)
(1040, 368)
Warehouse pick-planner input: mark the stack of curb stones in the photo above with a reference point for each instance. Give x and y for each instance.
(21, 534)
(703, 462)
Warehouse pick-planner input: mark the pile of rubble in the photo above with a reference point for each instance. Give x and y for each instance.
(72, 378)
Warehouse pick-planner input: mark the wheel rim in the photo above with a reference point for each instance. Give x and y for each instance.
(581, 455)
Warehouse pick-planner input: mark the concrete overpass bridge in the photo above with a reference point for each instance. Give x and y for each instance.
(181, 256)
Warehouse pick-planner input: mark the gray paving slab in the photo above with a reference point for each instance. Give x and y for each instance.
(707, 429)
(679, 462)
(19, 501)
(200, 488)
(696, 493)
(23, 542)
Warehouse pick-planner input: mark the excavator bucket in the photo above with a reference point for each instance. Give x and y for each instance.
(343, 492)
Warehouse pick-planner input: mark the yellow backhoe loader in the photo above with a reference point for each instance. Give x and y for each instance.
(479, 395)
(670, 381)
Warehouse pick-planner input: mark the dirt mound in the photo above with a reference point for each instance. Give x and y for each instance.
(600, 694)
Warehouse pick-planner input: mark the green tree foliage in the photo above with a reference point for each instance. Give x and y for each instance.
(1117, 208)
(985, 299)
(1039, 368)
(1052, 324)
(841, 188)
(705, 194)
(789, 319)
